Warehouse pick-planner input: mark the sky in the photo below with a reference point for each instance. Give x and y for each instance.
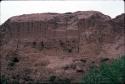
(14, 8)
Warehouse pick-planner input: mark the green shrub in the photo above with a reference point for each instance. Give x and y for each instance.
(57, 80)
(113, 73)
(3, 80)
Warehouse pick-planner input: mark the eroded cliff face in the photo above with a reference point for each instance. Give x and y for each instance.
(53, 26)
(52, 29)
(61, 45)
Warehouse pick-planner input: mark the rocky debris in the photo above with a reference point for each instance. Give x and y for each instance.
(53, 47)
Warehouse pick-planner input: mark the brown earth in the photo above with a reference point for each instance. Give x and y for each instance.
(50, 47)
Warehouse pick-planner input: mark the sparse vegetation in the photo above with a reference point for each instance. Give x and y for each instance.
(12, 58)
(57, 80)
(107, 73)
(3, 79)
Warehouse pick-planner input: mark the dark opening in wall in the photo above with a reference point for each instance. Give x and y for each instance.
(34, 44)
(69, 50)
(15, 59)
(41, 46)
(61, 43)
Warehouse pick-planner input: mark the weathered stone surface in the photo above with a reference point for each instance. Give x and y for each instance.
(88, 26)
(53, 26)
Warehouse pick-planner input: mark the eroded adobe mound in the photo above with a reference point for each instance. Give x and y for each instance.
(51, 47)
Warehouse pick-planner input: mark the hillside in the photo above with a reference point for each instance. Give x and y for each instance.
(45, 47)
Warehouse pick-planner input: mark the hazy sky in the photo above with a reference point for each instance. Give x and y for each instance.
(13, 8)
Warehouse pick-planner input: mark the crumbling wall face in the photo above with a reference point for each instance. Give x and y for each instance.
(51, 35)
(63, 29)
